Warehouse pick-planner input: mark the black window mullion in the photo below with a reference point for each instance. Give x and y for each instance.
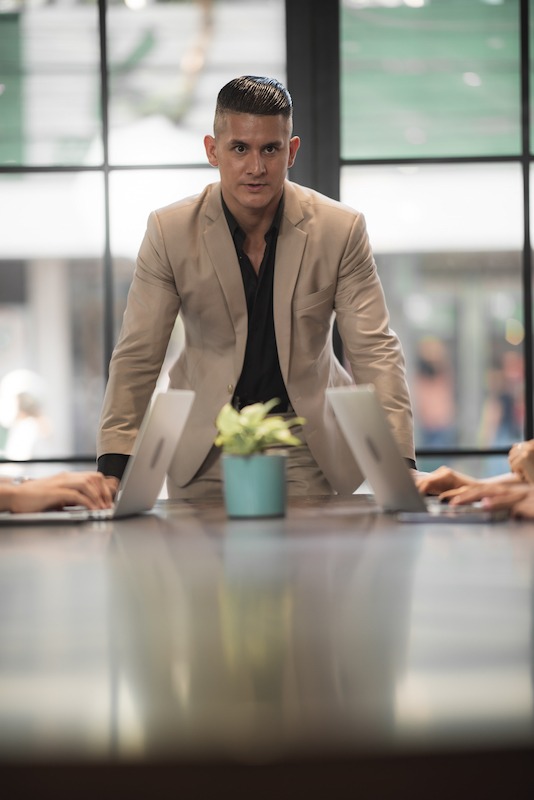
(527, 247)
(312, 43)
(108, 288)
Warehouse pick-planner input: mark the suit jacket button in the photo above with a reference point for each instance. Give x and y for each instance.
(230, 388)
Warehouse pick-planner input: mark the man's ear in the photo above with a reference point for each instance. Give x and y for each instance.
(294, 144)
(211, 150)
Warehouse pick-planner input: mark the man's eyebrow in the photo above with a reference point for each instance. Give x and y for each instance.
(239, 142)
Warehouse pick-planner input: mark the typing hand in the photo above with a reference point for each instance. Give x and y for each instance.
(113, 484)
(87, 489)
(441, 480)
(491, 494)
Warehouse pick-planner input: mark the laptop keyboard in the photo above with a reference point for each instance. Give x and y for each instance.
(81, 512)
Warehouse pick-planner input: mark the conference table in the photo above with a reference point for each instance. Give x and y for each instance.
(332, 652)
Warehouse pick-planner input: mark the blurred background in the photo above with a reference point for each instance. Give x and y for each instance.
(415, 112)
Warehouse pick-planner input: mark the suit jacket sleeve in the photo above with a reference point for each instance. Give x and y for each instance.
(152, 307)
(372, 349)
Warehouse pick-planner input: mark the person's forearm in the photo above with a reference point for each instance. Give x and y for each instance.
(507, 476)
(8, 493)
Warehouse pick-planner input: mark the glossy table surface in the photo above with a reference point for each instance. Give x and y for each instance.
(333, 635)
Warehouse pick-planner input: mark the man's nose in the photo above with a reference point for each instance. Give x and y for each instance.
(255, 164)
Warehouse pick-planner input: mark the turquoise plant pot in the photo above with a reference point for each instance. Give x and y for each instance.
(255, 485)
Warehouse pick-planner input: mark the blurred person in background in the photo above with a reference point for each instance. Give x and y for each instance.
(503, 412)
(433, 395)
(22, 419)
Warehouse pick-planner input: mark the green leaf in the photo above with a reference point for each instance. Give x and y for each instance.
(252, 430)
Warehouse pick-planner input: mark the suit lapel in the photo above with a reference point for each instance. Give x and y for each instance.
(221, 251)
(289, 252)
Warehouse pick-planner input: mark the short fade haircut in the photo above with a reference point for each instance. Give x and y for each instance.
(252, 94)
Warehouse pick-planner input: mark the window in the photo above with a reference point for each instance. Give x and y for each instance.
(92, 139)
(431, 153)
(436, 78)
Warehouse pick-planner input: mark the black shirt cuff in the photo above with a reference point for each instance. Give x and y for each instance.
(112, 464)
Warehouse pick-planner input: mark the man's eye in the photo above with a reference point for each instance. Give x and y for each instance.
(240, 148)
(270, 149)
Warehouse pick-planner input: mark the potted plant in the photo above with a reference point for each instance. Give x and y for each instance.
(254, 454)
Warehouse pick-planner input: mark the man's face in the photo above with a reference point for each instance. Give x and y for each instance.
(253, 154)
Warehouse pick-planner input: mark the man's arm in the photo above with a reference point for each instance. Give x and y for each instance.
(151, 311)
(372, 348)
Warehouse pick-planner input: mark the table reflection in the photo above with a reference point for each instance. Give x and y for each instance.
(469, 658)
(256, 638)
(334, 630)
(54, 667)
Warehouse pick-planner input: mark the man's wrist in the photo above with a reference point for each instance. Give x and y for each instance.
(112, 464)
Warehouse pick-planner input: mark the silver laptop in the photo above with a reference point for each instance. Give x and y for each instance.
(147, 466)
(368, 434)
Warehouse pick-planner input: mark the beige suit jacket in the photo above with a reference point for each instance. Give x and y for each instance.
(324, 266)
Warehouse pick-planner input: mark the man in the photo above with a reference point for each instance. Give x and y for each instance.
(257, 267)
(64, 489)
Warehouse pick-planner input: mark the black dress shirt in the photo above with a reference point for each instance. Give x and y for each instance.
(261, 378)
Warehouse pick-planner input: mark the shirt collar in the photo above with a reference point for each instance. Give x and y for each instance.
(234, 225)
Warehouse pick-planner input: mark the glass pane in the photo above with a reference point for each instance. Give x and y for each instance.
(450, 261)
(168, 61)
(129, 213)
(51, 323)
(49, 84)
(436, 78)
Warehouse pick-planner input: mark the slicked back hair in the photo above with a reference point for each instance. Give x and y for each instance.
(252, 94)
